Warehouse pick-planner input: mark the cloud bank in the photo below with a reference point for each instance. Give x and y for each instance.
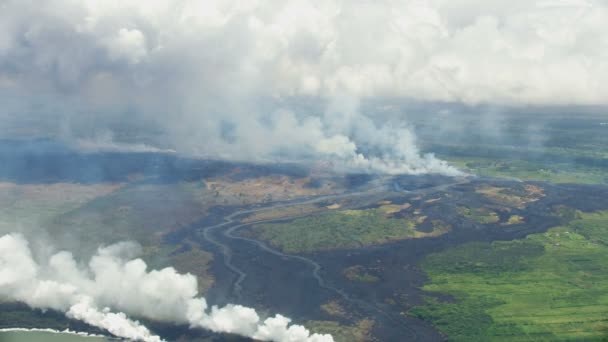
(267, 80)
(115, 280)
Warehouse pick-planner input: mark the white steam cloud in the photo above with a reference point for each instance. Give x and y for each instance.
(265, 80)
(106, 143)
(114, 280)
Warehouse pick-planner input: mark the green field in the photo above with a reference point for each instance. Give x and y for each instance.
(530, 170)
(337, 229)
(547, 287)
(479, 215)
(553, 146)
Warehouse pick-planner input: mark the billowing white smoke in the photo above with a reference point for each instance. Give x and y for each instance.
(390, 149)
(105, 143)
(114, 280)
(283, 79)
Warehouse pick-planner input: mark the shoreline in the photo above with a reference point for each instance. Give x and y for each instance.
(53, 331)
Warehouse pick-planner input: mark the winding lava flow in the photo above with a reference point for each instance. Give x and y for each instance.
(232, 224)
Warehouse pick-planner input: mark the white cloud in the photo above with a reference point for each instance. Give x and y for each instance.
(193, 67)
(115, 280)
(367, 48)
(127, 44)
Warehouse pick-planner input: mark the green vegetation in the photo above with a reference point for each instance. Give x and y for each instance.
(558, 147)
(333, 308)
(479, 215)
(336, 229)
(185, 258)
(514, 219)
(358, 273)
(196, 262)
(142, 213)
(547, 287)
(359, 332)
(346, 229)
(512, 197)
(31, 206)
(82, 217)
(530, 170)
(281, 212)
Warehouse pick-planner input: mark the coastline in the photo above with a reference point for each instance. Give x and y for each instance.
(53, 331)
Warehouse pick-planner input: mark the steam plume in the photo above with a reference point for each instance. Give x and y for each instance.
(266, 80)
(114, 280)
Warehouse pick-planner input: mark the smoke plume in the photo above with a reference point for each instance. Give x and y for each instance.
(114, 284)
(268, 80)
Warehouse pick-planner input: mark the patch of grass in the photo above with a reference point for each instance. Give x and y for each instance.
(358, 273)
(530, 171)
(81, 218)
(394, 208)
(479, 215)
(289, 211)
(481, 257)
(196, 262)
(359, 332)
(511, 197)
(547, 287)
(460, 322)
(593, 226)
(566, 214)
(35, 205)
(333, 308)
(143, 213)
(514, 219)
(336, 229)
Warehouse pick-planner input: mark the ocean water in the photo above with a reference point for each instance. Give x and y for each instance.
(46, 336)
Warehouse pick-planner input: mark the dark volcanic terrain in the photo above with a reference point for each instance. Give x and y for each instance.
(302, 251)
(287, 282)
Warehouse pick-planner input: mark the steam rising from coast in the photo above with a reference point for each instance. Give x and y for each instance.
(115, 283)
